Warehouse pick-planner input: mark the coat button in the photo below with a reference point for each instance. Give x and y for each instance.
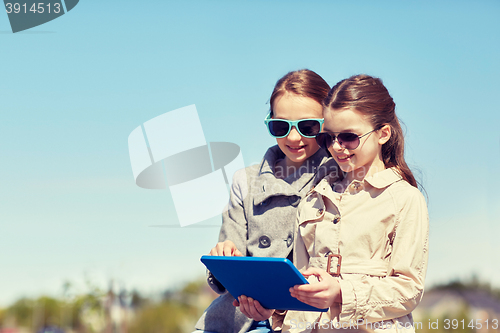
(289, 240)
(336, 219)
(355, 186)
(319, 212)
(294, 200)
(264, 242)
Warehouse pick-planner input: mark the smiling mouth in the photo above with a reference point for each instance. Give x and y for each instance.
(344, 158)
(295, 148)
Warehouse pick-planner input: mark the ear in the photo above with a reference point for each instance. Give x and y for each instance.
(385, 134)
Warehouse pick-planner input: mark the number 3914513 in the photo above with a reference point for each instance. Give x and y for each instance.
(477, 324)
(36, 8)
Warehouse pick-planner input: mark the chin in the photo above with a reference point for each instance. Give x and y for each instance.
(346, 168)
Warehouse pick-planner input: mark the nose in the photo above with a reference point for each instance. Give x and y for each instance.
(294, 135)
(336, 145)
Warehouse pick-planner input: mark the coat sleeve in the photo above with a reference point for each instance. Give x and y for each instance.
(234, 222)
(374, 299)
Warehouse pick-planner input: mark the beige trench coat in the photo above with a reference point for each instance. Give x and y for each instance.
(380, 228)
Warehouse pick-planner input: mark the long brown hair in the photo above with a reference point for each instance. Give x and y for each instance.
(369, 96)
(303, 82)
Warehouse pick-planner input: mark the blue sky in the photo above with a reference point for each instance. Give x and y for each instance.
(73, 89)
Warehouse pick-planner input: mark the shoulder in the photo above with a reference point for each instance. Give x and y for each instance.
(259, 172)
(246, 175)
(389, 182)
(406, 195)
(403, 188)
(265, 167)
(242, 174)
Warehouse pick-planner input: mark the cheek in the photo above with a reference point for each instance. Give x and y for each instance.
(310, 142)
(374, 147)
(367, 154)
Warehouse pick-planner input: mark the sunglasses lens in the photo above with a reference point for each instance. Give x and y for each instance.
(309, 127)
(348, 140)
(324, 140)
(278, 128)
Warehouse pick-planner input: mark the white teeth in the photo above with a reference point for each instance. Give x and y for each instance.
(343, 157)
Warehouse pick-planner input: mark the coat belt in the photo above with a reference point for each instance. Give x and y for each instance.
(373, 267)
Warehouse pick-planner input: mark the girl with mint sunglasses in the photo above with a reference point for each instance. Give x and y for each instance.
(264, 197)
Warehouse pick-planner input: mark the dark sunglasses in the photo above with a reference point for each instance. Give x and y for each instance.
(280, 128)
(346, 140)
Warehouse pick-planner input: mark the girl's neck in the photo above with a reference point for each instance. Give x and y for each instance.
(365, 171)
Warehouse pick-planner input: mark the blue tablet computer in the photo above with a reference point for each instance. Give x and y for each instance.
(267, 280)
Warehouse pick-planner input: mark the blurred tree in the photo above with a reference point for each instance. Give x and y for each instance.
(22, 312)
(166, 316)
(178, 310)
(2, 317)
(47, 311)
(138, 300)
(473, 283)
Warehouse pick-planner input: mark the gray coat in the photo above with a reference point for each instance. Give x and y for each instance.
(260, 221)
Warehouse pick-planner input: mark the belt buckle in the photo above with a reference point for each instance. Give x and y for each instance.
(329, 265)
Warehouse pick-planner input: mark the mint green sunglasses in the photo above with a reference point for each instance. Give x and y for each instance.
(280, 128)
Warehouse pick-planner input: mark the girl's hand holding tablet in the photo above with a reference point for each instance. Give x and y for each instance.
(322, 294)
(252, 308)
(226, 248)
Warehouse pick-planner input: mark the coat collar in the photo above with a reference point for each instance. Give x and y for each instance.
(384, 178)
(314, 168)
(378, 180)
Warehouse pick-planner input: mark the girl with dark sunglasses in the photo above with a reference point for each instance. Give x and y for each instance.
(362, 236)
(264, 197)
